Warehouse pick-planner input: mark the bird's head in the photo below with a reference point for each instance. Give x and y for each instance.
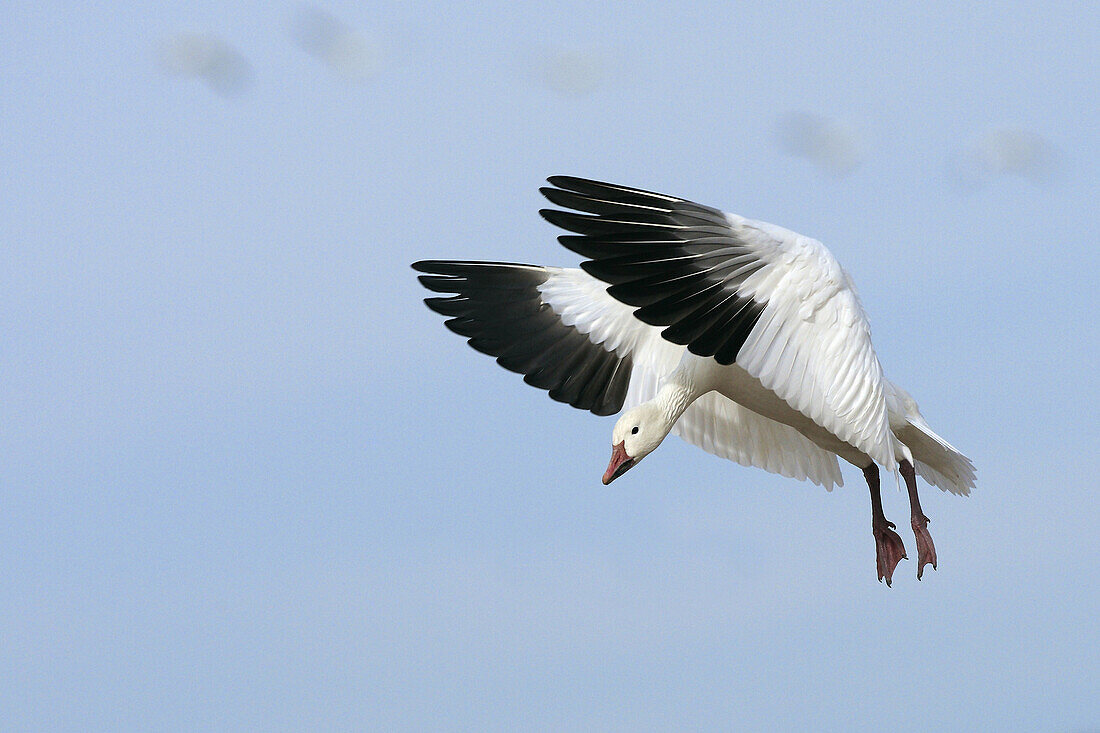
(637, 434)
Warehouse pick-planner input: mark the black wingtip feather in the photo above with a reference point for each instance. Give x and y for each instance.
(568, 220)
(652, 211)
(439, 283)
(590, 187)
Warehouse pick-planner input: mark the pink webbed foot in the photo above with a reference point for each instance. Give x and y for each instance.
(889, 550)
(926, 551)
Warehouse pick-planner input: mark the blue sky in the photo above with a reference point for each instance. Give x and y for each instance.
(249, 481)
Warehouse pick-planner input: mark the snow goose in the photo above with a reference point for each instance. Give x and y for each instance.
(743, 338)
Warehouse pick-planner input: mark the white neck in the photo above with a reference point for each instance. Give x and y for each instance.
(672, 399)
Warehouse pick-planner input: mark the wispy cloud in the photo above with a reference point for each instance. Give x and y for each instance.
(208, 58)
(831, 145)
(346, 52)
(1006, 151)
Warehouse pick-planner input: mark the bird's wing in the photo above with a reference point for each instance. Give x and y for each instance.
(561, 329)
(774, 302)
(501, 309)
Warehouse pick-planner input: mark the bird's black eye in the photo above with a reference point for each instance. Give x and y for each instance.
(634, 430)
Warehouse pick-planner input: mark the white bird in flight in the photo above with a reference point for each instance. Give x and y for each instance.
(743, 338)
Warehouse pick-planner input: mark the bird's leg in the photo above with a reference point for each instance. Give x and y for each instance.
(926, 551)
(889, 548)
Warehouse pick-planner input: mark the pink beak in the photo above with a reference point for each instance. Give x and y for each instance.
(620, 463)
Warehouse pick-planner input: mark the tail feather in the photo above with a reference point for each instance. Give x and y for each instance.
(937, 461)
